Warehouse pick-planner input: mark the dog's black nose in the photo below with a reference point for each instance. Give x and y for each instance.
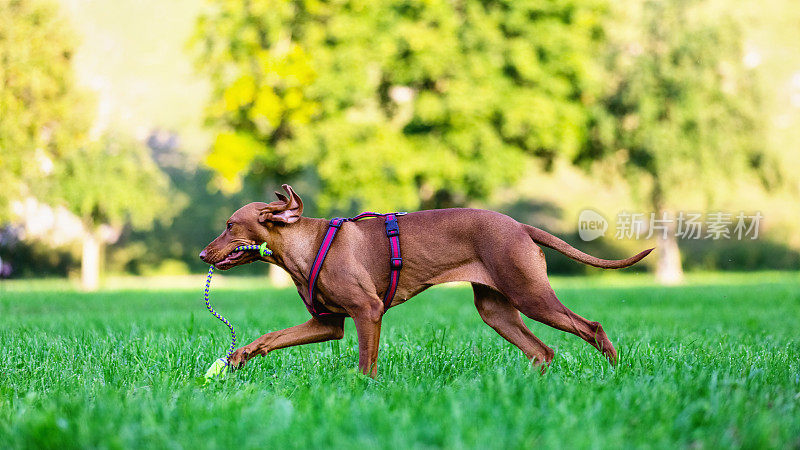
(203, 255)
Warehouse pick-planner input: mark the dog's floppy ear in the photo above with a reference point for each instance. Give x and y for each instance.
(281, 197)
(285, 210)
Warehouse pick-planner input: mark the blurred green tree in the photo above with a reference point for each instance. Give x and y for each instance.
(179, 242)
(42, 115)
(109, 183)
(45, 150)
(397, 104)
(681, 113)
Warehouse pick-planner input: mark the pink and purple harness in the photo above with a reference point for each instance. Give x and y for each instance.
(316, 308)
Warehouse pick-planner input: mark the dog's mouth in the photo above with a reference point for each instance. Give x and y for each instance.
(233, 259)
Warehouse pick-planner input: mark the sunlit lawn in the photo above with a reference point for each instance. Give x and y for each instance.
(713, 363)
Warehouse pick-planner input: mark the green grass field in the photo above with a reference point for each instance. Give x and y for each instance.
(715, 363)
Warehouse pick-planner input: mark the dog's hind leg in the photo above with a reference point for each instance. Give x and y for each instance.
(499, 314)
(544, 307)
(522, 278)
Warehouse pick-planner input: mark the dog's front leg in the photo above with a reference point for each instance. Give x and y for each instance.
(315, 330)
(368, 328)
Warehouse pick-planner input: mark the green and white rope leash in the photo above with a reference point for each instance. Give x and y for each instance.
(220, 366)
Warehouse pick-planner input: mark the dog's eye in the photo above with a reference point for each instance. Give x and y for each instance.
(228, 226)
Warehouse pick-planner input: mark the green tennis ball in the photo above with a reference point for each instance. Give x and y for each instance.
(218, 369)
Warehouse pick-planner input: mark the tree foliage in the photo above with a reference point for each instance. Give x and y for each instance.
(111, 182)
(681, 112)
(42, 115)
(114, 181)
(389, 102)
(44, 125)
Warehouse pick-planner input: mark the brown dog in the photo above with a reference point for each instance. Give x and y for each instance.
(495, 253)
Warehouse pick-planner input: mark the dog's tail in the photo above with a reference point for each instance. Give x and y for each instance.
(548, 240)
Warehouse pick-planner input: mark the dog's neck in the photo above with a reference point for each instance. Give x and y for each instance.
(296, 246)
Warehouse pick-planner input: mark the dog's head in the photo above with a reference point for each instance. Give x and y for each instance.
(252, 224)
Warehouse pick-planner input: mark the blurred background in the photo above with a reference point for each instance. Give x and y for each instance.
(130, 130)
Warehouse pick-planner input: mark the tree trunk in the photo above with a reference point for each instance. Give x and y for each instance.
(668, 264)
(90, 261)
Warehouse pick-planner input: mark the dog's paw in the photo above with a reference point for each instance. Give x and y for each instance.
(240, 357)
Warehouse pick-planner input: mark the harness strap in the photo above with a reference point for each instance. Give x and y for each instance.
(312, 304)
(395, 260)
